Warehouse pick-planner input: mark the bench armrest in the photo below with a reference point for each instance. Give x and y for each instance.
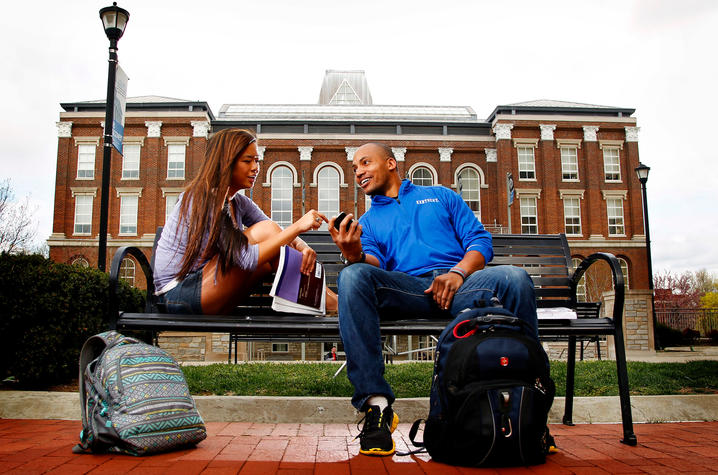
(618, 282)
(113, 305)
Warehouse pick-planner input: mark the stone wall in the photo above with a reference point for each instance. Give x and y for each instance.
(637, 320)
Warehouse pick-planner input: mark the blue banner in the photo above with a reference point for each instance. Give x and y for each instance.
(118, 120)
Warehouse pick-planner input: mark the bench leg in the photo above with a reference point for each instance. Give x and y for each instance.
(570, 377)
(629, 437)
(229, 350)
(598, 347)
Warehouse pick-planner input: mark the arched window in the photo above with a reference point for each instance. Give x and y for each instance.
(328, 193)
(422, 176)
(282, 196)
(80, 261)
(581, 287)
(469, 187)
(624, 270)
(127, 271)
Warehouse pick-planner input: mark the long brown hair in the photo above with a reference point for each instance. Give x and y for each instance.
(207, 194)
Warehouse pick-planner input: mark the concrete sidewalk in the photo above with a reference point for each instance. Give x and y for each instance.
(44, 446)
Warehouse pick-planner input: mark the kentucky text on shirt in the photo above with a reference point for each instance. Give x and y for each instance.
(428, 200)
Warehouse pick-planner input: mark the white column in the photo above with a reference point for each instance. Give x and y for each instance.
(632, 134)
(503, 131)
(547, 131)
(64, 129)
(260, 152)
(305, 153)
(590, 133)
(490, 154)
(153, 128)
(445, 154)
(350, 152)
(200, 128)
(399, 153)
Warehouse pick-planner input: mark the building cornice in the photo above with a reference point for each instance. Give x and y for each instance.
(134, 114)
(563, 118)
(377, 137)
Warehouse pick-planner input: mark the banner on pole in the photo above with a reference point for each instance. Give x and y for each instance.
(118, 114)
(510, 187)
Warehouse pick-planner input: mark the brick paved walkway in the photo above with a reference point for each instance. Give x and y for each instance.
(41, 446)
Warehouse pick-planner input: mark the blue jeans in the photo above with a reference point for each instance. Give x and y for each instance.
(368, 294)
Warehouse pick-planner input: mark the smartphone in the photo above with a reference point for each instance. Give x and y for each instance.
(339, 220)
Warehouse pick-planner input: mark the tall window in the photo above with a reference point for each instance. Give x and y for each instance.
(422, 176)
(170, 202)
(127, 271)
(469, 185)
(131, 161)
(527, 163)
(581, 287)
(175, 161)
(367, 202)
(282, 196)
(569, 164)
(280, 347)
(611, 164)
(128, 214)
(614, 207)
(328, 193)
(572, 215)
(529, 218)
(83, 214)
(624, 270)
(86, 161)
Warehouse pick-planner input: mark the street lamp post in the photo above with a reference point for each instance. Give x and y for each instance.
(114, 20)
(642, 172)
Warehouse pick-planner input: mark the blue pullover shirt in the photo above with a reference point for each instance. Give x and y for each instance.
(426, 228)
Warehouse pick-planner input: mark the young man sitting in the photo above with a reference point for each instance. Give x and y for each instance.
(418, 252)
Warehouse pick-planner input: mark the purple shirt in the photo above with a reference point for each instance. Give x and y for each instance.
(172, 245)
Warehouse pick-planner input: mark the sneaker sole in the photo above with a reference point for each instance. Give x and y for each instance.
(377, 452)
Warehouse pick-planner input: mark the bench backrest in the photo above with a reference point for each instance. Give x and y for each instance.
(546, 258)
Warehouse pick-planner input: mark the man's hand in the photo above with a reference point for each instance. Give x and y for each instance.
(444, 288)
(347, 239)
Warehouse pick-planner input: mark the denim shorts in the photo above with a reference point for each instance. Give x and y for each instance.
(185, 297)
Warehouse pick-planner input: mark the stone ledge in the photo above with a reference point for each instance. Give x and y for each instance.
(261, 409)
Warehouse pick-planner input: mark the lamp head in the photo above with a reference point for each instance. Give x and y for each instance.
(642, 172)
(114, 20)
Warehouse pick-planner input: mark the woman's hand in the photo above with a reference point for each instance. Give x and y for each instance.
(312, 220)
(309, 255)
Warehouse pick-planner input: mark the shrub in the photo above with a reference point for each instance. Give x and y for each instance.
(690, 336)
(713, 335)
(667, 336)
(47, 311)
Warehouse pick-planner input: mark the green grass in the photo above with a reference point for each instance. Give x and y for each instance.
(593, 378)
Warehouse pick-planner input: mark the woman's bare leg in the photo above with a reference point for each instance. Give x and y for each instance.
(222, 292)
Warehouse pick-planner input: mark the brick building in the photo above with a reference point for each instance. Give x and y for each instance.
(572, 166)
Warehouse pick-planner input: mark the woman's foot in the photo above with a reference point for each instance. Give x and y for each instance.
(332, 304)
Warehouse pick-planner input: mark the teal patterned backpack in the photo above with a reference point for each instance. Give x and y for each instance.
(134, 399)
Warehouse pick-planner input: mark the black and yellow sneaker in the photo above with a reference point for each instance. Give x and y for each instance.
(375, 437)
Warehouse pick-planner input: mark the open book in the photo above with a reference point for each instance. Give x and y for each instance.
(295, 292)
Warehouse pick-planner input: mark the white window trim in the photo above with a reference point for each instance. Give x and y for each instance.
(139, 160)
(568, 143)
(482, 177)
(129, 191)
(525, 142)
(623, 194)
(521, 216)
(295, 175)
(75, 194)
(176, 141)
(432, 170)
(580, 221)
(292, 186)
(89, 142)
(578, 168)
(615, 196)
(620, 171)
(518, 160)
(528, 192)
(317, 169)
(610, 144)
(571, 193)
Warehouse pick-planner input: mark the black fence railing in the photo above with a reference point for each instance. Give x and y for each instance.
(702, 320)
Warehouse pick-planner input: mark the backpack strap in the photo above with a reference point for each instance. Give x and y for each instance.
(91, 350)
(412, 436)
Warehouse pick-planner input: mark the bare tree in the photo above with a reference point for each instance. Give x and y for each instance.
(17, 229)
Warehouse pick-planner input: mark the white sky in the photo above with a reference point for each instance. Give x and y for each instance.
(657, 56)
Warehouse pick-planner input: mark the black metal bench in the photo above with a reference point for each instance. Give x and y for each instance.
(546, 258)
